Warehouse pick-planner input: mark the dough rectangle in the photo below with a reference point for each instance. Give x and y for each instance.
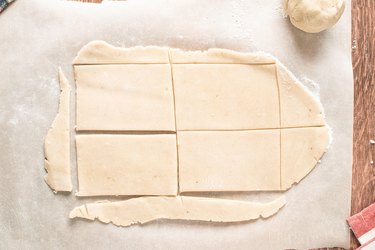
(124, 97)
(229, 160)
(226, 96)
(127, 164)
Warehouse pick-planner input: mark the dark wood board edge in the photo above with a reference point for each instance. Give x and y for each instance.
(363, 58)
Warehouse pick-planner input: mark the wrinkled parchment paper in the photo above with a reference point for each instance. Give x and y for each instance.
(38, 36)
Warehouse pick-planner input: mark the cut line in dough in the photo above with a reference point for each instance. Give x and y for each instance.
(57, 144)
(147, 209)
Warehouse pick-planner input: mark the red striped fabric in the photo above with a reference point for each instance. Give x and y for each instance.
(363, 225)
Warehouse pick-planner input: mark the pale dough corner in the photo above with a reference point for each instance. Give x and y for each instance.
(56, 146)
(183, 118)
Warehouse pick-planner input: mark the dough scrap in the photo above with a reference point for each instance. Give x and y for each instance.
(127, 164)
(124, 97)
(226, 96)
(229, 160)
(146, 209)
(57, 143)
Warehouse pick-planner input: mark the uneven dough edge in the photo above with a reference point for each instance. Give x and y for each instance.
(100, 52)
(298, 106)
(311, 144)
(57, 144)
(219, 56)
(147, 209)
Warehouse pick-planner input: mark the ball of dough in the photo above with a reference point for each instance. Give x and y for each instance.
(314, 16)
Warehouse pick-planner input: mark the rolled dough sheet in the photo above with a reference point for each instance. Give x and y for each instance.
(127, 164)
(124, 97)
(230, 111)
(146, 209)
(215, 89)
(57, 143)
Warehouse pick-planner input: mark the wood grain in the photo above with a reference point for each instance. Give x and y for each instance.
(363, 56)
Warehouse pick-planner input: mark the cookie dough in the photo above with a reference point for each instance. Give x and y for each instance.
(146, 209)
(314, 16)
(159, 121)
(57, 144)
(124, 97)
(239, 120)
(301, 150)
(229, 160)
(100, 52)
(226, 96)
(298, 108)
(127, 164)
(218, 56)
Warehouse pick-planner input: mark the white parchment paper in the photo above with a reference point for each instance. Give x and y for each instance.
(38, 36)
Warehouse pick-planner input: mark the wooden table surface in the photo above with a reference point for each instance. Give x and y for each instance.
(363, 56)
(363, 52)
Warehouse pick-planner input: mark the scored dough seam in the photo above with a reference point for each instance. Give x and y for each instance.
(76, 162)
(159, 132)
(247, 129)
(175, 121)
(280, 128)
(124, 132)
(115, 64)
